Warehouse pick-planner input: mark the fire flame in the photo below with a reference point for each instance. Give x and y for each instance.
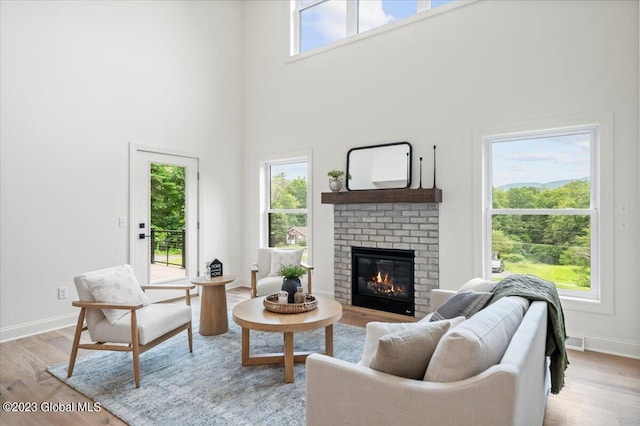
(384, 284)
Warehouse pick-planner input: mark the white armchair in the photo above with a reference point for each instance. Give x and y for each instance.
(120, 317)
(264, 277)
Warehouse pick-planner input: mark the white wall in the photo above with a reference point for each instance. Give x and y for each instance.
(435, 81)
(79, 81)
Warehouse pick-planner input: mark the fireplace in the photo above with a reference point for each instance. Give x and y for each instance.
(383, 279)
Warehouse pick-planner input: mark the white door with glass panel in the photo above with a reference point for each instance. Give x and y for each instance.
(164, 218)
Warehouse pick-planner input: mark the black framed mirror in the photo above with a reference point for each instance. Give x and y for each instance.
(385, 166)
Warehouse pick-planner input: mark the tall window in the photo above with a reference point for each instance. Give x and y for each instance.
(320, 22)
(542, 207)
(287, 208)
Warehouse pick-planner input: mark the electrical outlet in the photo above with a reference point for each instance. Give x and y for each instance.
(122, 221)
(62, 292)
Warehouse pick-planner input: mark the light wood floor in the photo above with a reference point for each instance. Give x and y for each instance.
(600, 389)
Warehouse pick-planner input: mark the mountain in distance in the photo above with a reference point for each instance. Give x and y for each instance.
(550, 185)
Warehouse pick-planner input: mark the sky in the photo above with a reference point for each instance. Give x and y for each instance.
(291, 170)
(326, 22)
(541, 160)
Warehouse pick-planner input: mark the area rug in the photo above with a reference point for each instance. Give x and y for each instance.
(208, 386)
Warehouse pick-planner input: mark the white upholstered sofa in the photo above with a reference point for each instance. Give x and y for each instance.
(511, 391)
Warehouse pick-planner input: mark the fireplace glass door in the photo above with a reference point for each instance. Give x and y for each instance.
(383, 279)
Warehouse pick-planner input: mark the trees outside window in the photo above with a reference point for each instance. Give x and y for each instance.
(167, 209)
(287, 209)
(541, 207)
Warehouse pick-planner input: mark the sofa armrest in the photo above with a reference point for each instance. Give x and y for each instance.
(438, 297)
(360, 395)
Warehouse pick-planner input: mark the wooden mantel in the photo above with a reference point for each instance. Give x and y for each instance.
(383, 196)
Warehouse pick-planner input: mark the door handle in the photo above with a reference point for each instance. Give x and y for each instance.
(143, 236)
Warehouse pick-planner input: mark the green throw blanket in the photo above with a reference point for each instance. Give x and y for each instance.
(534, 288)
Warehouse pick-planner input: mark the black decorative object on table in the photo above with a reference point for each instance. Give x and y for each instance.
(290, 285)
(291, 279)
(216, 268)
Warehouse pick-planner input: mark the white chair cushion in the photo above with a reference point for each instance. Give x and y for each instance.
(476, 344)
(114, 285)
(93, 316)
(153, 321)
(264, 262)
(376, 329)
(280, 258)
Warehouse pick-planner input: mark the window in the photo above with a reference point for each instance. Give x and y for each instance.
(317, 23)
(542, 207)
(287, 197)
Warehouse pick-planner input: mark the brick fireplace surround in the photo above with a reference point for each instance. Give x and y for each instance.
(407, 226)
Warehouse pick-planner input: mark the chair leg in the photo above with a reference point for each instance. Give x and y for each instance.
(254, 284)
(190, 333)
(76, 342)
(135, 348)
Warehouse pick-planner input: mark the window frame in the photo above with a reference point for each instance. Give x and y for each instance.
(603, 178)
(266, 198)
(423, 11)
(591, 211)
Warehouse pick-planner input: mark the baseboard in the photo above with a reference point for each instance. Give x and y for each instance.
(36, 327)
(324, 294)
(238, 283)
(624, 348)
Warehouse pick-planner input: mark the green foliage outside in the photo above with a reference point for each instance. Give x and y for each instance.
(555, 247)
(286, 194)
(564, 276)
(167, 197)
(167, 186)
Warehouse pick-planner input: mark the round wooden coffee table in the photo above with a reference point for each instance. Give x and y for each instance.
(251, 315)
(213, 304)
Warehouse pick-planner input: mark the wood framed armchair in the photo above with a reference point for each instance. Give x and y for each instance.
(264, 277)
(120, 317)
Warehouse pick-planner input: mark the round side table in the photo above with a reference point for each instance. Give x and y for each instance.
(213, 304)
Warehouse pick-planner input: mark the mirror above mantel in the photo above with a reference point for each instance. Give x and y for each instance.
(386, 166)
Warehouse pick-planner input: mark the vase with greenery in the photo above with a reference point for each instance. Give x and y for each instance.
(335, 180)
(291, 279)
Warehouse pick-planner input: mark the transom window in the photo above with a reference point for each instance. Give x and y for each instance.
(542, 208)
(316, 23)
(287, 205)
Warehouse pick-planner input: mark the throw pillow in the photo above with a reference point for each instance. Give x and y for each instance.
(478, 284)
(407, 352)
(476, 344)
(465, 303)
(377, 329)
(116, 285)
(280, 258)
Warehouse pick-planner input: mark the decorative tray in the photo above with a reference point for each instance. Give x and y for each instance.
(271, 304)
